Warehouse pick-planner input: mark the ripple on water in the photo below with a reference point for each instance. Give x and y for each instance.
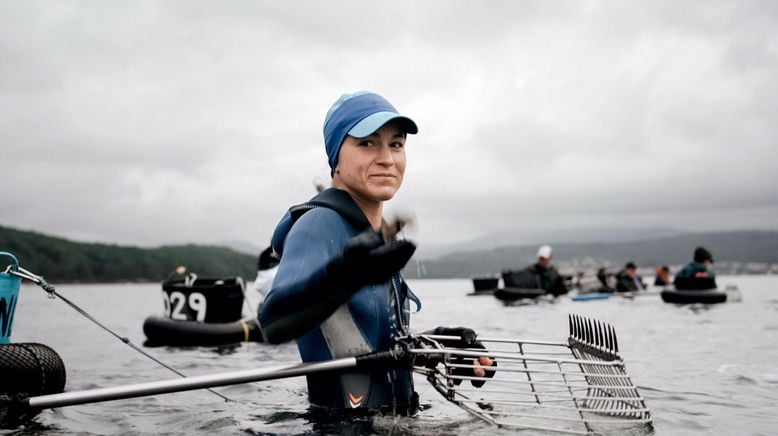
(771, 378)
(753, 375)
(744, 380)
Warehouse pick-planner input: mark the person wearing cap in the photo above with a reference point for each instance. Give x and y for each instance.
(338, 290)
(548, 276)
(540, 275)
(627, 280)
(336, 271)
(697, 275)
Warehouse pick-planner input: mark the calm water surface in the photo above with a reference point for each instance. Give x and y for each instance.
(702, 370)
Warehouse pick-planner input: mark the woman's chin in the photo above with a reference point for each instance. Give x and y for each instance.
(385, 193)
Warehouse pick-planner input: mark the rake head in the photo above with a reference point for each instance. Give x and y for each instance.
(577, 387)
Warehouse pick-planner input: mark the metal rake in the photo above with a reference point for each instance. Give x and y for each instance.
(577, 387)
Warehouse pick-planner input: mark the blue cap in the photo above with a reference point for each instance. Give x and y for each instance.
(359, 115)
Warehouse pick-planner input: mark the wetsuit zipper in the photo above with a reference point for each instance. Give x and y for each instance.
(403, 323)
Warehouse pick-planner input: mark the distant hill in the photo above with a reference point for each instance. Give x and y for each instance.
(62, 260)
(727, 247)
(529, 237)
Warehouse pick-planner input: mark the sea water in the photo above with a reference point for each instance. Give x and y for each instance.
(702, 369)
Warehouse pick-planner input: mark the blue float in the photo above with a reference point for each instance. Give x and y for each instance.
(9, 295)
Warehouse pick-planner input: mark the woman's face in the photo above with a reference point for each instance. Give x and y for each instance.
(372, 168)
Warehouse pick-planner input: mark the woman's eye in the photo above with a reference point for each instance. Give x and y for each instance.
(397, 145)
(365, 143)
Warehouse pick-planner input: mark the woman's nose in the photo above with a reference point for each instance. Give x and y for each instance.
(385, 155)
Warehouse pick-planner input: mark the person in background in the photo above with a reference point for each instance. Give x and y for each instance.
(267, 266)
(697, 275)
(547, 275)
(540, 275)
(338, 291)
(663, 277)
(627, 280)
(607, 280)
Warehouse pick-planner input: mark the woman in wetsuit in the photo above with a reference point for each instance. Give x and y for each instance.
(338, 289)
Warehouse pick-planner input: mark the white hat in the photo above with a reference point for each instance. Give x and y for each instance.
(544, 251)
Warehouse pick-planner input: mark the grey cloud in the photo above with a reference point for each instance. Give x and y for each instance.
(532, 114)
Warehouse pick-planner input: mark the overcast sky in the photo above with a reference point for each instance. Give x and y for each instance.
(151, 123)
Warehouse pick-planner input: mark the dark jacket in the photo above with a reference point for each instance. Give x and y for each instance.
(536, 277)
(307, 239)
(625, 283)
(662, 279)
(695, 276)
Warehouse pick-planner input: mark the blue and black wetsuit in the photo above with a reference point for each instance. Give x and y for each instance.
(306, 304)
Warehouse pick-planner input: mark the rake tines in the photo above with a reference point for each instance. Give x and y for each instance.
(595, 337)
(610, 389)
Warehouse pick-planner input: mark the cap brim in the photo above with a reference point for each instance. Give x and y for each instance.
(375, 121)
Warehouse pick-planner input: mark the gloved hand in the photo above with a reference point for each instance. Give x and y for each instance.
(466, 339)
(367, 260)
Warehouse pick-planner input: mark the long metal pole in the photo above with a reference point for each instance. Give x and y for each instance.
(186, 384)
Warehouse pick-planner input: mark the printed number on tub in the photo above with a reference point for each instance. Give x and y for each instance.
(177, 305)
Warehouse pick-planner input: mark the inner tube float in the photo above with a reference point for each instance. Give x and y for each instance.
(27, 370)
(484, 285)
(509, 294)
(201, 312)
(160, 330)
(709, 296)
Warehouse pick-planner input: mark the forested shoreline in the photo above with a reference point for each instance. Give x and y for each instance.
(62, 260)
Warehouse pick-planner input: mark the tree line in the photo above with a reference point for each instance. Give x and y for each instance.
(62, 260)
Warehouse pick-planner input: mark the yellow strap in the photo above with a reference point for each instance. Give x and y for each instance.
(245, 330)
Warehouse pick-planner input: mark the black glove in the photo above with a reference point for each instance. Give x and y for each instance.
(367, 260)
(466, 339)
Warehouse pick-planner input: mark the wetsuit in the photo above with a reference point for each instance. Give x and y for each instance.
(695, 276)
(337, 324)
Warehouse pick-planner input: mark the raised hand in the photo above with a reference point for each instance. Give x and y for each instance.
(368, 260)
